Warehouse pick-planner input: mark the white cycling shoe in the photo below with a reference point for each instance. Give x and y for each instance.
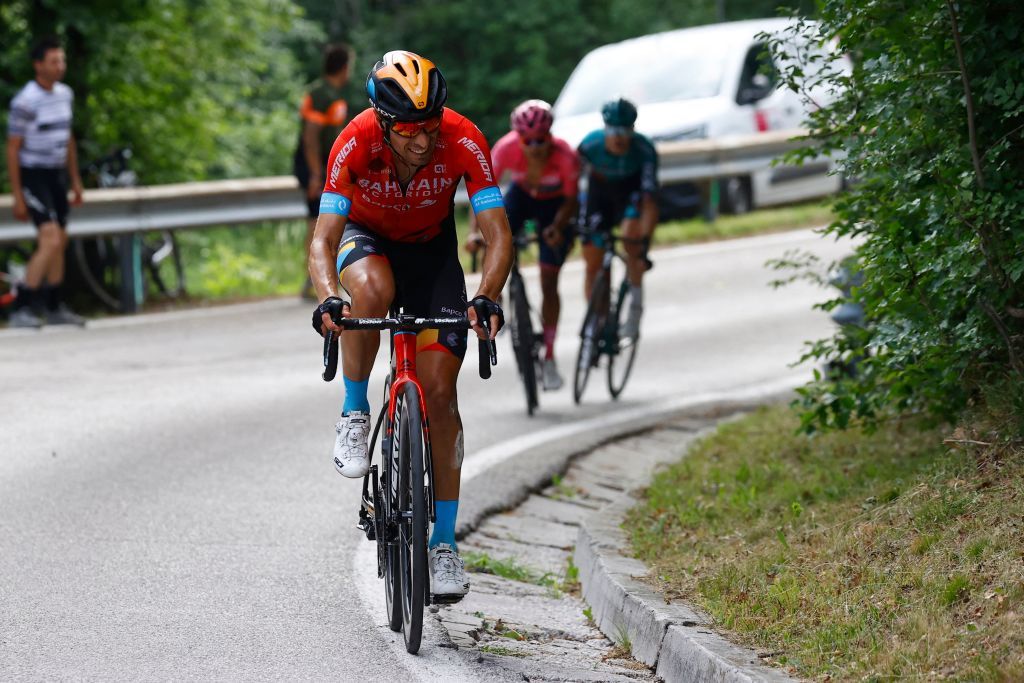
(448, 580)
(631, 326)
(550, 377)
(351, 456)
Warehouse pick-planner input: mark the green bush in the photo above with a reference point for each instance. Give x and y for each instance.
(931, 122)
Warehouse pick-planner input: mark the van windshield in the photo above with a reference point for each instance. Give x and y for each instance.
(645, 71)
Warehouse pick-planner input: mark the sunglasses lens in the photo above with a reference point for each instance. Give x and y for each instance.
(617, 130)
(534, 142)
(410, 129)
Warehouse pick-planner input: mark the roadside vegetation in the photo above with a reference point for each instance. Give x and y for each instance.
(267, 260)
(849, 556)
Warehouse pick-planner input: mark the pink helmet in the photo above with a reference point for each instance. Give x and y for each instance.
(532, 118)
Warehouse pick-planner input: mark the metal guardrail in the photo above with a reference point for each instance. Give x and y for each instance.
(120, 211)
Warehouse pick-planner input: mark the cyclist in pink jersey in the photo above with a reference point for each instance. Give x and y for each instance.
(544, 171)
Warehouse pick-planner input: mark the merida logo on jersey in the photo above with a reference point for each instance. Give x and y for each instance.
(480, 157)
(339, 160)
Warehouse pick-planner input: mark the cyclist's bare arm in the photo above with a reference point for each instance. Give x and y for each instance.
(73, 174)
(322, 258)
(493, 224)
(14, 143)
(475, 239)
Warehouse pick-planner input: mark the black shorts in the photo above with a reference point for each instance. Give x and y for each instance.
(521, 207)
(429, 281)
(607, 204)
(46, 195)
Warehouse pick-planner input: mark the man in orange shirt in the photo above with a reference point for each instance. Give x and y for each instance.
(329, 103)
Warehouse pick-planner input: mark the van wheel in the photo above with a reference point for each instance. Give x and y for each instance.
(736, 195)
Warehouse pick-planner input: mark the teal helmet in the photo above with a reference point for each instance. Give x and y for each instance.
(620, 112)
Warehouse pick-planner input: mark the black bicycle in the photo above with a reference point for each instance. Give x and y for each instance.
(526, 340)
(397, 503)
(600, 332)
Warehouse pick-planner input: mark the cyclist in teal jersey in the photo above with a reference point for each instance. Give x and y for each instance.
(621, 167)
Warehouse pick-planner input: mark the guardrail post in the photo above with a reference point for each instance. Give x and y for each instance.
(709, 198)
(130, 248)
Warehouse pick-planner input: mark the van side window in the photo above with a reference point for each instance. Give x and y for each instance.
(758, 78)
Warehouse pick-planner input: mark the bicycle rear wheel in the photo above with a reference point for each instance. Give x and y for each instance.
(412, 526)
(621, 350)
(523, 340)
(590, 334)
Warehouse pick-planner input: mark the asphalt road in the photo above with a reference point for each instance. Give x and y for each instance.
(169, 510)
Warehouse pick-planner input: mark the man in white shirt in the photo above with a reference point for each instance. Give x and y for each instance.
(41, 158)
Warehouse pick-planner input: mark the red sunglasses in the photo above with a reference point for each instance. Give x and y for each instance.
(410, 129)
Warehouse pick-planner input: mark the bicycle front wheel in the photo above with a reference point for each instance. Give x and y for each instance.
(621, 350)
(523, 340)
(590, 336)
(412, 526)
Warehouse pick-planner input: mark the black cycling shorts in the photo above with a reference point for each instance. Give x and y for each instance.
(46, 195)
(607, 204)
(521, 207)
(429, 280)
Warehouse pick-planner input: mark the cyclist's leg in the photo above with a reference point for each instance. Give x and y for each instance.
(365, 273)
(638, 224)
(43, 210)
(597, 217)
(551, 261)
(431, 282)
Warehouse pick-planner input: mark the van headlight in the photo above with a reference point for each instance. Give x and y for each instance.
(696, 133)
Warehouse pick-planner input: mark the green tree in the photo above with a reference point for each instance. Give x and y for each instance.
(197, 89)
(932, 123)
(495, 56)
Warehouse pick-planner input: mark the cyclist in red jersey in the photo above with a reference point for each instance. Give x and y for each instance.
(386, 231)
(544, 173)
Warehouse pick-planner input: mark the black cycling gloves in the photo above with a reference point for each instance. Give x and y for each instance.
(485, 308)
(332, 305)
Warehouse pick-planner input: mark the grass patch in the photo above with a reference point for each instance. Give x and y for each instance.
(753, 223)
(509, 568)
(854, 556)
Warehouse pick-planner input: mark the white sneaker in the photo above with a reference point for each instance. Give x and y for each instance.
(448, 580)
(550, 376)
(631, 327)
(351, 457)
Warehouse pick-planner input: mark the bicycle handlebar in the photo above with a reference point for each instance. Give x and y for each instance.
(408, 323)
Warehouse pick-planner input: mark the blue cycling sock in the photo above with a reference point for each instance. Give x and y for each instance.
(444, 527)
(355, 395)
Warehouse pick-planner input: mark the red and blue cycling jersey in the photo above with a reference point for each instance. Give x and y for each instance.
(559, 177)
(361, 182)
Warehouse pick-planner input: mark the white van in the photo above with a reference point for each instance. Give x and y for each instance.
(703, 82)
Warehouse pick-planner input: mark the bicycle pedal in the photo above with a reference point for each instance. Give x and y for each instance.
(366, 526)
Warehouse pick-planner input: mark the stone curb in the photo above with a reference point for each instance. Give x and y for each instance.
(508, 483)
(671, 637)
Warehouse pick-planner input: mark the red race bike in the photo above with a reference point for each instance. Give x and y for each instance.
(398, 496)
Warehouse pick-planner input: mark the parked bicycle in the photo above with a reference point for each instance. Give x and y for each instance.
(98, 259)
(600, 332)
(397, 502)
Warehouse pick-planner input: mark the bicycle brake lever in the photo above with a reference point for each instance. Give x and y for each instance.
(330, 356)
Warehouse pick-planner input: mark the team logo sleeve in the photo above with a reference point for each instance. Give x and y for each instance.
(481, 183)
(348, 152)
